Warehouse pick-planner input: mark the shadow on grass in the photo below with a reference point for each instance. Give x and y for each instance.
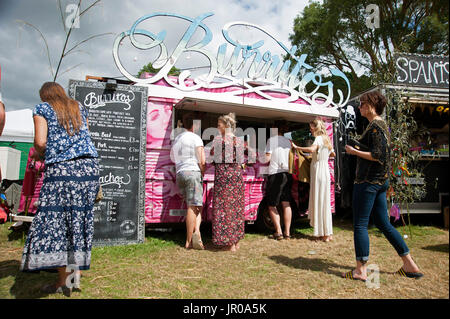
(176, 233)
(26, 285)
(439, 248)
(19, 233)
(312, 264)
(175, 237)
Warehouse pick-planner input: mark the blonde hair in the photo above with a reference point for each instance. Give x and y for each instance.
(320, 130)
(229, 120)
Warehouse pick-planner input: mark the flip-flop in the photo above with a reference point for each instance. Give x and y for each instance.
(403, 273)
(349, 275)
(197, 242)
(277, 236)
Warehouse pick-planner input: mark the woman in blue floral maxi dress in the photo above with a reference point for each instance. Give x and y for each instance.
(60, 236)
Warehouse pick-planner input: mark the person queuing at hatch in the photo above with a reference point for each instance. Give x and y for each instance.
(369, 192)
(228, 224)
(319, 207)
(279, 180)
(60, 236)
(189, 156)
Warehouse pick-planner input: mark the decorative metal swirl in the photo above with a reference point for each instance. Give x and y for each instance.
(261, 66)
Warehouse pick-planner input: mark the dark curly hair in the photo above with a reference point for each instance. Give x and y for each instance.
(376, 99)
(282, 125)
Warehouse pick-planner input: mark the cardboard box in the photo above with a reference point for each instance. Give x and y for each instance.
(10, 163)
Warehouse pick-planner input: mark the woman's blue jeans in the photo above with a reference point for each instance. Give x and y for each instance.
(371, 198)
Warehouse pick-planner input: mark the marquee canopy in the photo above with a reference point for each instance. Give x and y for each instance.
(19, 126)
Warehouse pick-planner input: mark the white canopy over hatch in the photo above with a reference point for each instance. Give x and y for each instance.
(258, 108)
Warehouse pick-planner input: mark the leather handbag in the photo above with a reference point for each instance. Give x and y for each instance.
(99, 196)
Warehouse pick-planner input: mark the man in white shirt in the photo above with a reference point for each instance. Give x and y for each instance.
(189, 156)
(279, 181)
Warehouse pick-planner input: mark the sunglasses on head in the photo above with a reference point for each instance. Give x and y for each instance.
(361, 103)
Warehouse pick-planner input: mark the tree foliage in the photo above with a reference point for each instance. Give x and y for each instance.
(335, 34)
(150, 69)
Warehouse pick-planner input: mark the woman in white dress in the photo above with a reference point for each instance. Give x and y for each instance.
(319, 193)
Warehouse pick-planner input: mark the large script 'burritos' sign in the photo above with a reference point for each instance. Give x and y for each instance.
(117, 123)
(293, 76)
(422, 70)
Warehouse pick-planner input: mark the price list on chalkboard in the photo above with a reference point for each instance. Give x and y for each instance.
(117, 124)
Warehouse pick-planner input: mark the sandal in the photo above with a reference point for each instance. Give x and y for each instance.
(287, 237)
(403, 273)
(349, 275)
(277, 236)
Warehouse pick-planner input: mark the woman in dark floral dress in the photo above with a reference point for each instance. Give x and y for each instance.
(228, 215)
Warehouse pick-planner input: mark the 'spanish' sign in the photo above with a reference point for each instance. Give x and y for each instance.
(265, 67)
(422, 70)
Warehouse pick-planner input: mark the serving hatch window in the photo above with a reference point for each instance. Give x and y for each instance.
(252, 130)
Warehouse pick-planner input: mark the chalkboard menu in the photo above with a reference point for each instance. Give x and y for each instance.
(422, 70)
(117, 123)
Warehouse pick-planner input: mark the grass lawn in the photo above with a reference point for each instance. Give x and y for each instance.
(262, 268)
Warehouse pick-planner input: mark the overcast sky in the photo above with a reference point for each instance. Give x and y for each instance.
(25, 65)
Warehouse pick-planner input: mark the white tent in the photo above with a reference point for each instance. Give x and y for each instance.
(19, 126)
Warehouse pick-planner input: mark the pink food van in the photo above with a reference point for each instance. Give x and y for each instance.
(163, 202)
(259, 80)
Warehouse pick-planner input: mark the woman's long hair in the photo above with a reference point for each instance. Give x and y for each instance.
(320, 130)
(66, 109)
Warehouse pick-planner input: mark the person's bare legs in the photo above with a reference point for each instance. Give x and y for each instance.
(191, 223)
(198, 221)
(360, 270)
(62, 276)
(408, 264)
(287, 218)
(275, 217)
(198, 218)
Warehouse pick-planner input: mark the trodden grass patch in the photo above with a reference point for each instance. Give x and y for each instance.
(262, 268)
